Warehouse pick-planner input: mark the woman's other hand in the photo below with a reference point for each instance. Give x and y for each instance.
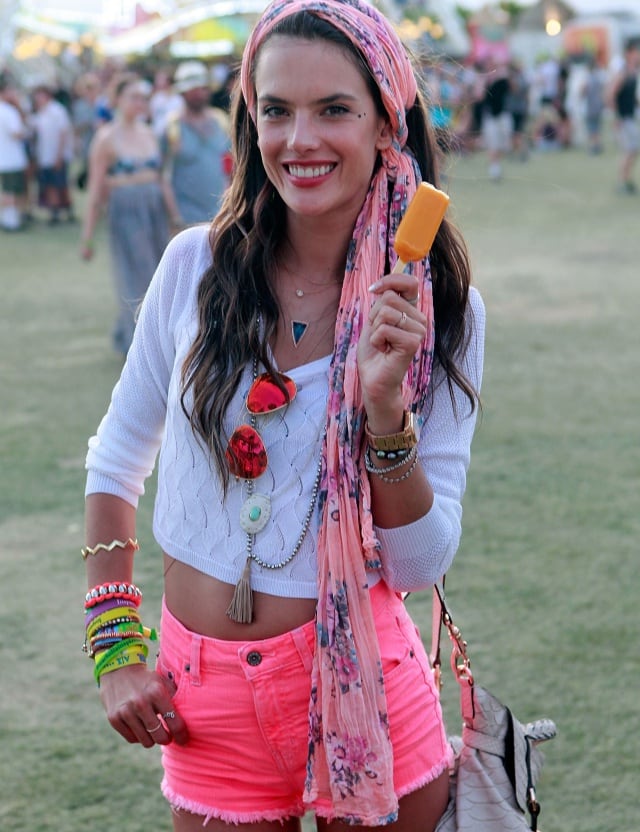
(139, 706)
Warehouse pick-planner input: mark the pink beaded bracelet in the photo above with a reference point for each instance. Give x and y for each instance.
(106, 592)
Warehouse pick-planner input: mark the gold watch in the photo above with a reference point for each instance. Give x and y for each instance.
(403, 441)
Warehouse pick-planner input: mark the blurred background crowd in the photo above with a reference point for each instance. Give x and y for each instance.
(503, 78)
(47, 132)
(122, 108)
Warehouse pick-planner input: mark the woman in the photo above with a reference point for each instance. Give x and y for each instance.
(125, 171)
(305, 685)
(623, 99)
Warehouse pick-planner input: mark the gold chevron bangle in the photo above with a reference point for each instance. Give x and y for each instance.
(129, 543)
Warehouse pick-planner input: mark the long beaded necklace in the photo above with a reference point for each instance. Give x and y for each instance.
(254, 515)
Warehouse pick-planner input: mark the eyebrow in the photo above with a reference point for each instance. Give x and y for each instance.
(327, 99)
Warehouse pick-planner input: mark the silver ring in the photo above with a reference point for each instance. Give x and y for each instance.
(169, 715)
(413, 301)
(402, 320)
(153, 730)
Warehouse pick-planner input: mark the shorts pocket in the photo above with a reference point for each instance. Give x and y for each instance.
(176, 671)
(396, 648)
(402, 648)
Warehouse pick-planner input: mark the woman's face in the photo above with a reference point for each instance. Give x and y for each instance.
(319, 131)
(133, 101)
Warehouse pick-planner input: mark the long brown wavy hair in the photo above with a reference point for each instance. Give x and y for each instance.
(237, 305)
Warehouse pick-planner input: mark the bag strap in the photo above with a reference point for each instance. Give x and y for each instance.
(460, 661)
(461, 667)
(435, 659)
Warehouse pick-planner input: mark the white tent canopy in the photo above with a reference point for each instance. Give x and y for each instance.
(113, 22)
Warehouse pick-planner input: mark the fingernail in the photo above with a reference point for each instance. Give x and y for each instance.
(374, 286)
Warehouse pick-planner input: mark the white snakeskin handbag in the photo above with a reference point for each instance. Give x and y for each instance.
(497, 762)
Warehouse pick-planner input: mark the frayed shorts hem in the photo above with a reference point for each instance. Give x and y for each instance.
(328, 813)
(182, 804)
(429, 777)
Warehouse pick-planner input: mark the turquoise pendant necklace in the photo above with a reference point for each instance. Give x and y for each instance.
(298, 329)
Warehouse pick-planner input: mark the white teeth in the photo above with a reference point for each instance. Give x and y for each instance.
(309, 172)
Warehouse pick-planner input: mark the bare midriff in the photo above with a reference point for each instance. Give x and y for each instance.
(140, 177)
(200, 602)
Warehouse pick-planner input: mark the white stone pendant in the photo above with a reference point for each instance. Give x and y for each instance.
(255, 513)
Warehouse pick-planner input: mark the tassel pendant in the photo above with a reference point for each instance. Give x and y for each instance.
(240, 609)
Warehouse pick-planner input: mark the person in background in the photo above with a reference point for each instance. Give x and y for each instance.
(195, 145)
(125, 171)
(496, 119)
(623, 98)
(164, 102)
(84, 116)
(313, 411)
(223, 79)
(547, 80)
(518, 106)
(476, 89)
(593, 94)
(53, 136)
(13, 158)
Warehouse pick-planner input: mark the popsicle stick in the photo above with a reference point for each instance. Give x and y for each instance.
(399, 267)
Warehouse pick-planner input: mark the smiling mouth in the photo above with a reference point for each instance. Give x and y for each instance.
(309, 171)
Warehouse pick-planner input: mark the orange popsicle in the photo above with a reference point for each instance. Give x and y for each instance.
(419, 226)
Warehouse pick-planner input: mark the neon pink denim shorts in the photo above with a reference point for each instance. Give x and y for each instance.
(246, 708)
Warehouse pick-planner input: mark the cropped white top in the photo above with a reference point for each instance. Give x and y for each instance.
(192, 521)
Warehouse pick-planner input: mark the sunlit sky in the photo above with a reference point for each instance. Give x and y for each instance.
(577, 5)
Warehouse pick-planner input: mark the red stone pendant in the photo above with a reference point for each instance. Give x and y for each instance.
(265, 396)
(246, 454)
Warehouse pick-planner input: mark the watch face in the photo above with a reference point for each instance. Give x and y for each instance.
(411, 427)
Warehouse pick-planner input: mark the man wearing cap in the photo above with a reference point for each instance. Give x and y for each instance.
(196, 149)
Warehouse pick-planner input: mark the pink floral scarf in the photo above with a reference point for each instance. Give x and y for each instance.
(350, 761)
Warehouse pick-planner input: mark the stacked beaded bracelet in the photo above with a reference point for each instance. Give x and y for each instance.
(104, 642)
(121, 632)
(106, 623)
(114, 631)
(97, 616)
(107, 637)
(106, 592)
(412, 457)
(400, 453)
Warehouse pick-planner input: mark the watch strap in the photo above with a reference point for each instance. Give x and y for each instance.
(404, 440)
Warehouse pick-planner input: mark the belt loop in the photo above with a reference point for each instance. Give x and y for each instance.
(300, 640)
(194, 661)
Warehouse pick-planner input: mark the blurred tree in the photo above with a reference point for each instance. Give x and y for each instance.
(514, 10)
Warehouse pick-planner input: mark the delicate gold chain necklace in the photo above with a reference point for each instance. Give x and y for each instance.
(299, 328)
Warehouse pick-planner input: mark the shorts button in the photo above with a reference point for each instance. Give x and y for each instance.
(254, 658)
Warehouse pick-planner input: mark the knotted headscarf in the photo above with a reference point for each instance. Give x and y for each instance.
(350, 763)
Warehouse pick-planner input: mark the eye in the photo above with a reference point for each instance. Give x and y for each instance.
(336, 110)
(273, 111)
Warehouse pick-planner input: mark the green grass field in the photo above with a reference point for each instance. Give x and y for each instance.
(544, 585)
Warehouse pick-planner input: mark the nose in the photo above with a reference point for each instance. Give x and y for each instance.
(302, 135)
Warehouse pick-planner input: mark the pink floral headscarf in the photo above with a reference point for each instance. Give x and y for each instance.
(350, 761)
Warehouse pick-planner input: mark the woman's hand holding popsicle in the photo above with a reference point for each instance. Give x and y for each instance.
(396, 328)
